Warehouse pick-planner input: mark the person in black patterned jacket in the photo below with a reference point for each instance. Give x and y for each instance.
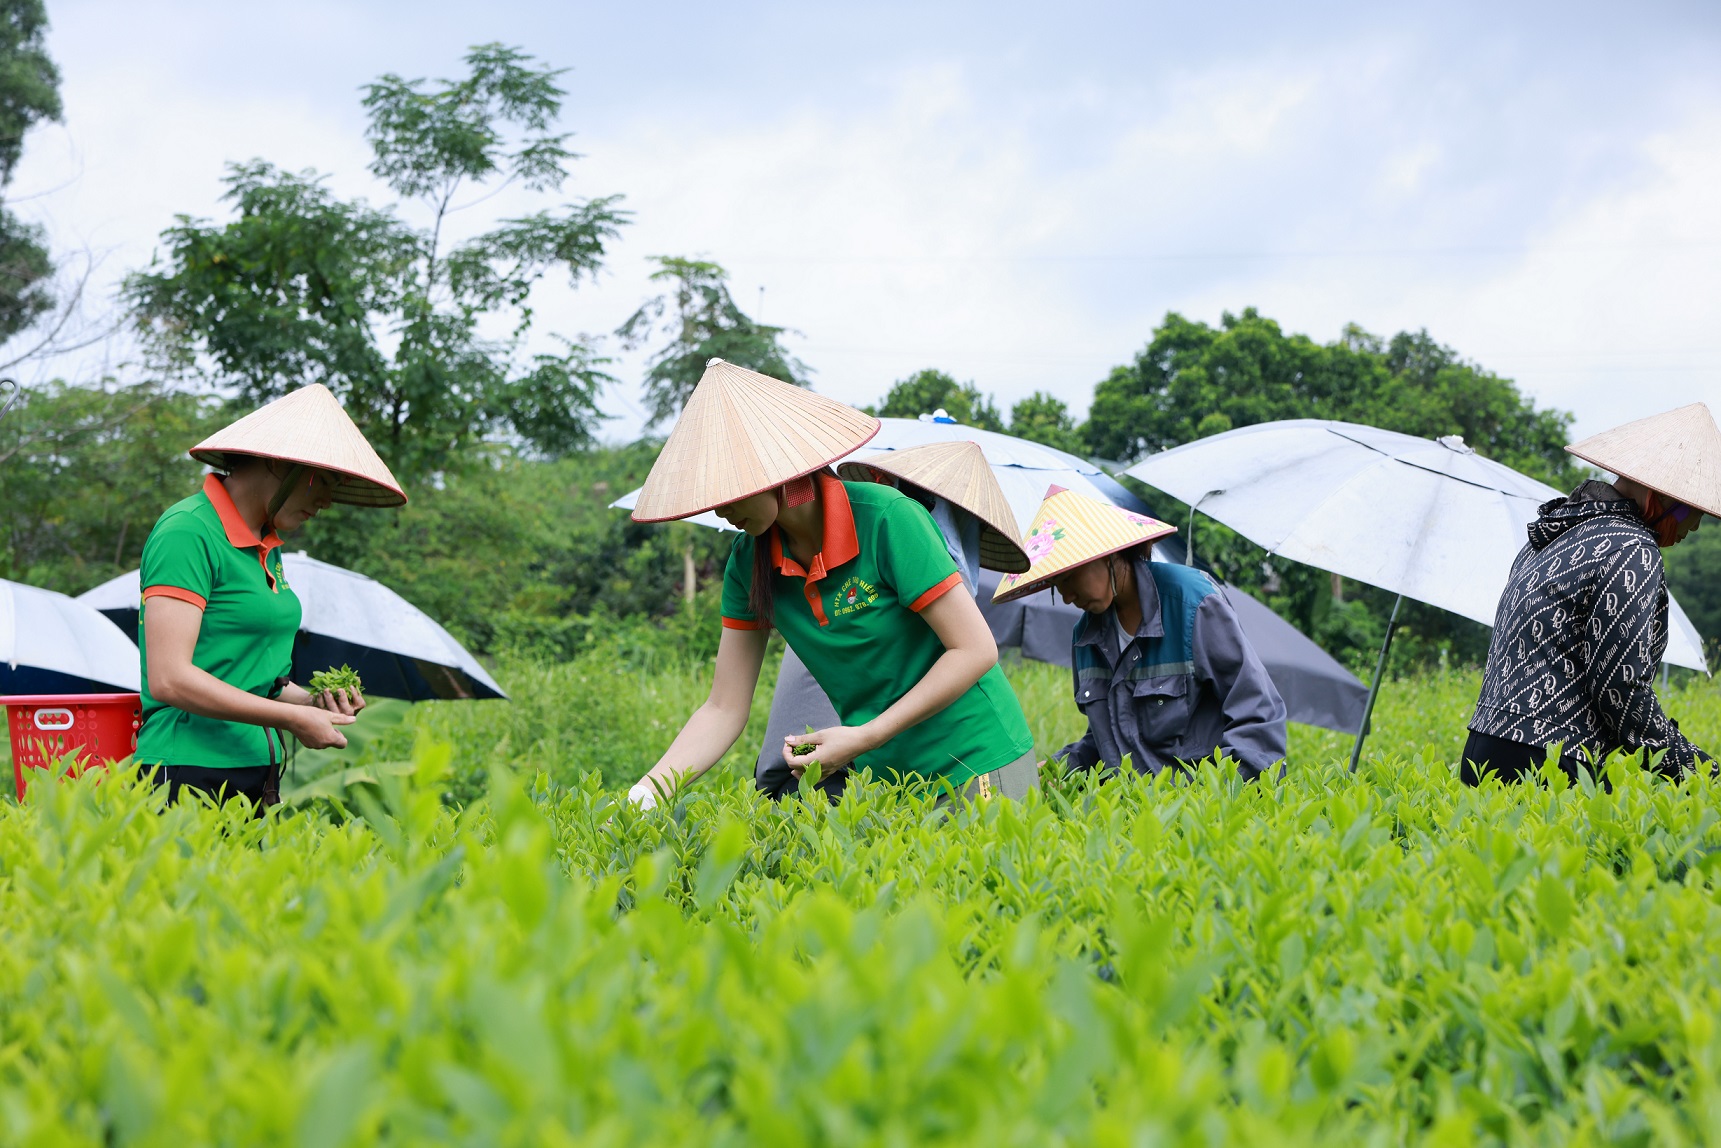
(1582, 625)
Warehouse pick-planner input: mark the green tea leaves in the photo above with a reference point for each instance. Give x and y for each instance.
(327, 681)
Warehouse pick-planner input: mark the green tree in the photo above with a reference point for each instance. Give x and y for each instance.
(29, 94)
(1192, 380)
(84, 474)
(925, 392)
(1694, 576)
(699, 321)
(303, 286)
(1042, 417)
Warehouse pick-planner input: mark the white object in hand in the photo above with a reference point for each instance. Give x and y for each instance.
(643, 794)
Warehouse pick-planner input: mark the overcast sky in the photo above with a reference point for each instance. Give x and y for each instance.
(1015, 194)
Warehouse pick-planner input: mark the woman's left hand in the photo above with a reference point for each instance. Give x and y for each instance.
(833, 749)
(348, 702)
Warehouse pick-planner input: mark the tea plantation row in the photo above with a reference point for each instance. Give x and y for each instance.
(1385, 957)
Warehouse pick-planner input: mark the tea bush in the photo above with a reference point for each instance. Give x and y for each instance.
(1332, 958)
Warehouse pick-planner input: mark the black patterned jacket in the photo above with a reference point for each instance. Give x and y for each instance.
(1580, 633)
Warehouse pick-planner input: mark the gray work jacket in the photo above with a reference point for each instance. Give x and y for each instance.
(1188, 684)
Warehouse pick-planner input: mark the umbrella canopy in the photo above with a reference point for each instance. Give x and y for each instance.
(52, 644)
(1024, 469)
(349, 619)
(1429, 520)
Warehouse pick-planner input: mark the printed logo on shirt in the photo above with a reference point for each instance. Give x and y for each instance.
(854, 595)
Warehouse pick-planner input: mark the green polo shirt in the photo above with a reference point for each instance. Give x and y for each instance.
(853, 616)
(201, 551)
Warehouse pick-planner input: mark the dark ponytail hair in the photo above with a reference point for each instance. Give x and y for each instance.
(761, 597)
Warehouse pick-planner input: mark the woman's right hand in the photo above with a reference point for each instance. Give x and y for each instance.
(316, 728)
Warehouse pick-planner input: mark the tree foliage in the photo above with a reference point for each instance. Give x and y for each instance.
(1694, 576)
(84, 474)
(303, 286)
(698, 320)
(1043, 417)
(29, 94)
(928, 391)
(1193, 380)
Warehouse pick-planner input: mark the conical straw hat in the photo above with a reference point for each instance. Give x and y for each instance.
(958, 472)
(308, 427)
(1069, 530)
(743, 433)
(1677, 454)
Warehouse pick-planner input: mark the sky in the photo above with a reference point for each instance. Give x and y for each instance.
(1016, 194)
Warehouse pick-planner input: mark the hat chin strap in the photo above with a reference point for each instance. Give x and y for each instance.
(281, 495)
(799, 491)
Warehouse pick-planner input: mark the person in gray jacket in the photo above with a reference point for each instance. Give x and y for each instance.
(1162, 668)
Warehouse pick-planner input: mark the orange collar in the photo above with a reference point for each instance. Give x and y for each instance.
(239, 532)
(839, 544)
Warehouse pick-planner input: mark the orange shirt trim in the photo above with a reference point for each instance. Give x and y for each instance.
(178, 592)
(935, 593)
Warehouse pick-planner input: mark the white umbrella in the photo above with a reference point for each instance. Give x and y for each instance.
(398, 650)
(52, 644)
(1024, 469)
(1429, 520)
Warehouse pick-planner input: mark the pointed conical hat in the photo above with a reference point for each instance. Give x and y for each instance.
(1677, 454)
(308, 427)
(1070, 530)
(743, 433)
(959, 473)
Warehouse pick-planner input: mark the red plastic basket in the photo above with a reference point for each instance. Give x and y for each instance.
(46, 727)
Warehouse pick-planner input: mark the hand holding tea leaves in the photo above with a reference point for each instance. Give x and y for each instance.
(802, 750)
(339, 691)
(836, 748)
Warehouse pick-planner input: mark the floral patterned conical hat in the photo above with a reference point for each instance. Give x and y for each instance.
(1070, 530)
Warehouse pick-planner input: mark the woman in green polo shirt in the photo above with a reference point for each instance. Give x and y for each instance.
(219, 619)
(857, 579)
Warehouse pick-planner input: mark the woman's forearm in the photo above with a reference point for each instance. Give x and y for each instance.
(202, 693)
(700, 745)
(715, 725)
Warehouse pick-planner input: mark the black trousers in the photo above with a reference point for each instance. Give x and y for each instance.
(221, 785)
(1510, 760)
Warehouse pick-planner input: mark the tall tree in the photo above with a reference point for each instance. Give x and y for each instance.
(1192, 380)
(1043, 417)
(303, 286)
(29, 94)
(926, 392)
(698, 320)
